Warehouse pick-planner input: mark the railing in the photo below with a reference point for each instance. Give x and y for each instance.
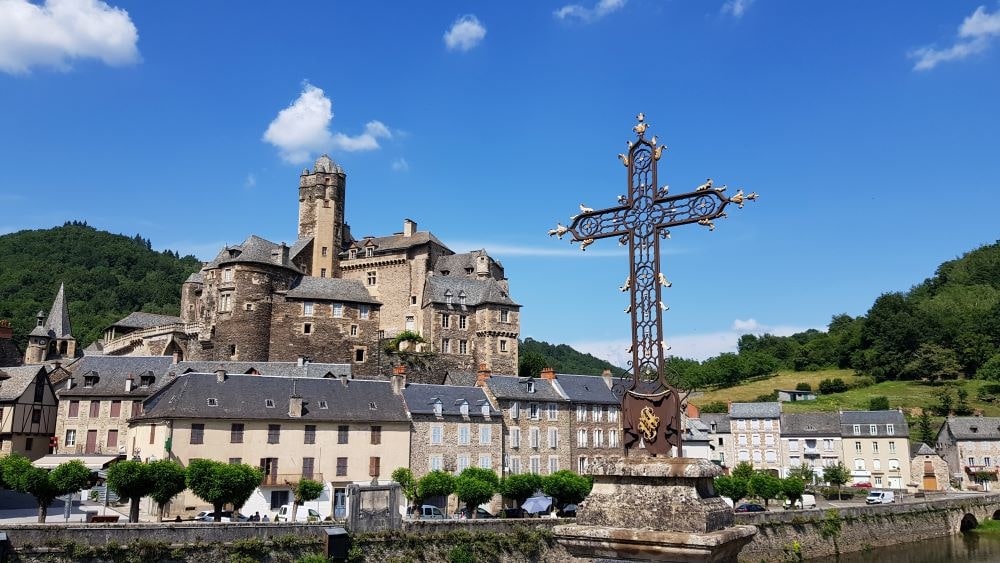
(810, 451)
(288, 479)
(136, 337)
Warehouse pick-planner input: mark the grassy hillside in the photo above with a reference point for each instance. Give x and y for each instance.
(750, 390)
(107, 276)
(536, 354)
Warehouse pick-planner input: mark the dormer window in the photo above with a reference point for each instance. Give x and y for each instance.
(531, 386)
(323, 405)
(371, 406)
(146, 381)
(438, 407)
(461, 297)
(213, 402)
(445, 272)
(352, 253)
(447, 297)
(89, 380)
(463, 408)
(468, 270)
(974, 429)
(485, 409)
(269, 403)
(890, 429)
(369, 251)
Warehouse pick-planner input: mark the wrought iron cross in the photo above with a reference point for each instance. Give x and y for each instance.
(650, 405)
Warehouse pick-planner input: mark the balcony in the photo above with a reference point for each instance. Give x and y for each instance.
(810, 452)
(288, 479)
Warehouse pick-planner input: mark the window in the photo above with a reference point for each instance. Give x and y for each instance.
(352, 253)
(757, 457)
(857, 447)
(447, 297)
(461, 294)
(553, 411)
(152, 434)
(828, 445)
(485, 434)
(95, 409)
(413, 300)
(273, 433)
(236, 434)
(872, 429)
(598, 438)
(485, 461)
(227, 275)
(354, 330)
(463, 434)
(533, 413)
(436, 463)
(212, 402)
(536, 437)
(307, 467)
(581, 465)
(515, 409)
(310, 434)
(249, 307)
(89, 380)
(874, 447)
(269, 403)
(894, 463)
(445, 321)
(755, 439)
(342, 432)
(359, 355)
(376, 435)
(742, 440)
(770, 456)
(446, 345)
(436, 434)
(877, 465)
(74, 409)
(225, 302)
(612, 414)
(197, 433)
(372, 278)
(374, 466)
(369, 251)
(307, 308)
(553, 464)
(145, 381)
(536, 464)
(515, 465)
(581, 438)
(279, 499)
(892, 447)
(461, 463)
(859, 464)
(323, 405)
(553, 437)
(769, 440)
(463, 346)
(767, 425)
(530, 386)
(503, 345)
(323, 251)
(612, 438)
(741, 425)
(878, 481)
(338, 310)
(596, 413)
(744, 455)
(754, 425)
(504, 315)
(341, 466)
(307, 328)
(36, 416)
(986, 461)
(463, 321)
(364, 311)
(793, 445)
(581, 413)
(515, 437)
(70, 438)
(112, 439)
(857, 429)
(890, 429)
(438, 407)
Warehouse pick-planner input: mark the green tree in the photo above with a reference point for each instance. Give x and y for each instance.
(531, 364)
(803, 472)
(837, 475)
(474, 486)
(990, 371)
(46, 486)
(933, 363)
(945, 402)
(803, 386)
(566, 487)
(407, 483)
(169, 480)
(962, 407)
(878, 403)
(715, 407)
(743, 470)
(764, 486)
(435, 484)
(793, 489)
(520, 486)
(131, 480)
(220, 484)
(925, 433)
(305, 491)
(733, 487)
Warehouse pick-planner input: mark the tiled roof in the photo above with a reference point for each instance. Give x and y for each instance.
(592, 389)
(420, 399)
(146, 320)
(721, 421)
(755, 410)
(516, 388)
(245, 397)
(476, 292)
(112, 371)
(986, 427)
(280, 369)
(14, 380)
(810, 424)
(253, 250)
(331, 289)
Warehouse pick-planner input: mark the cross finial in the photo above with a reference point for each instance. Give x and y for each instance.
(640, 128)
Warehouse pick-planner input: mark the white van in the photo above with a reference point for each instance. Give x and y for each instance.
(880, 497)
(808, 501)
(303, 514)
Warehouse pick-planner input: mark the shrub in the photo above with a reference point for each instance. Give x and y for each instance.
(803, 386)
(721, 407)
(878, 403)
(835, 385)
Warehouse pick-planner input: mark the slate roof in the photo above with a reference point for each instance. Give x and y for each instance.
(464, 378)
(196, 277)
(459, 263)
(280, 369)
(695, 430)
(298, 247)
(516, 388)
(588, 389)
(920, 448)
(57, 324)
(721, 421)
(331, 289)
(14, 380)
(420, 399)
(112, 371)
(146, 320)
(755, 410)
(810, 424)
(396, 242)
(879, 418)
(987, 427)
(253, 250)
(476, 292)
(243, 397)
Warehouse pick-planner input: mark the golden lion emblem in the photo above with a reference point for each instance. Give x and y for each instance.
(648, 423)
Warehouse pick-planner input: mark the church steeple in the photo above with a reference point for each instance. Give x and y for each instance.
(52, 337)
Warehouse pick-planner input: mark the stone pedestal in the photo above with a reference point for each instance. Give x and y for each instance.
(654, 509)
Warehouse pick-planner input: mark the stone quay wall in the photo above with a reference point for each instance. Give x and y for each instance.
(808, 534)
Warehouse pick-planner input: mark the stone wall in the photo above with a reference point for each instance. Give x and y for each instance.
(817, 533)
(329, 339)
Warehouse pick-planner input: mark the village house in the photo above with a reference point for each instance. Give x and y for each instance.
(876, 447)
(27, 411)
(971, 447)
(811, 438)
(720, 443)
(595, 424)
(756, 427)
(929, 470)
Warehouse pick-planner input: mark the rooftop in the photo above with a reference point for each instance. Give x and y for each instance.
(974, 427)
(15, 380)
(331, 289)
(755, 410)
(516, 388)
(475, 291)
(109, 373)
(420, 399)
(591, 389)
(810, 424)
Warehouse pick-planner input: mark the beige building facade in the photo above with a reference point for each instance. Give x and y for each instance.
(876, 448)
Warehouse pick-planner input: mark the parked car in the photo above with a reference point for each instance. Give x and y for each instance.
(748, 507)
(303, 514)
(227, 516)
(568, 511)
(808, 501)
(427, 512)
(862, 485)
(481, 513)
(880, 497)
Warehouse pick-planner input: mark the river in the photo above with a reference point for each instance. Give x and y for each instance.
(962, 548)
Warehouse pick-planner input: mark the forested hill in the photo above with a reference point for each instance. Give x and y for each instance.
(943, 328)
(535, 355)
(107, 276)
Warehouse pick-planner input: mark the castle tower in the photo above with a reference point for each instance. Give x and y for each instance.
(321, 215)
(52, 337)
(38, 341)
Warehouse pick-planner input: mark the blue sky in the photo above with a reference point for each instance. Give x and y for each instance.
(868, 128)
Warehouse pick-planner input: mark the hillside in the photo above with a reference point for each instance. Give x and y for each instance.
(107, 276)
(536, 354)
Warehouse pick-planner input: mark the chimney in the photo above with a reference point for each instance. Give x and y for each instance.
(281, 254)
(295, 406)
(409, 227)
(693, 411)
(69, 383)
(548, 373)
(483, 374)
(301, 361)
(220, 375)
(129, 383)
(398, 380)
(606, 375)
(343, 379)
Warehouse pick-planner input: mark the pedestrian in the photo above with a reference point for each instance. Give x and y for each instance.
(266, 519)
(255, 517)
(178, 519)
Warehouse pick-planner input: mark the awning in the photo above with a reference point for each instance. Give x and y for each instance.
(93, 462)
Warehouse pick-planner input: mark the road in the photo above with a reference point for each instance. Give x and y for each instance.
(17, 508)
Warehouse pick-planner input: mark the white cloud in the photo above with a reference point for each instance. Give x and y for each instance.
(303, 128)
(581, 13)
(400, 165)
(57, 31)
(250, 182)
(464, 34)
(736, 8)
(748, 325)
(975, 35)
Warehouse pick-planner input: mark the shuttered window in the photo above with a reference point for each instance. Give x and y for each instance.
(197, 433)
(374, 466)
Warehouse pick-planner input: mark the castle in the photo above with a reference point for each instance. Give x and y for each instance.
(332, 298)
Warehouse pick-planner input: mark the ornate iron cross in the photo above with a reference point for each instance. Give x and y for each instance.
(650, 405)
